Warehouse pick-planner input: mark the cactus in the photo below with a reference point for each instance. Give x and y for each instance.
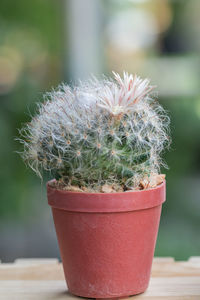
(110, 131)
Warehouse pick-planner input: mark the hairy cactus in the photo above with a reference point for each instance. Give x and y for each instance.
(100, 132)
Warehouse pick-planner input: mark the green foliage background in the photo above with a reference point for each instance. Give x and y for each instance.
(31, 62)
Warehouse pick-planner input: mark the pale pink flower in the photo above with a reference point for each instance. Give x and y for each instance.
(120, 97)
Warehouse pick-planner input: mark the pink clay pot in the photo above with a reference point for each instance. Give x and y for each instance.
(107, 241)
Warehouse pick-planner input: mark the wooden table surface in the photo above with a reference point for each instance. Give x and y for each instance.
(42, 279)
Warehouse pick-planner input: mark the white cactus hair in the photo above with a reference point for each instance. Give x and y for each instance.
(101, 131)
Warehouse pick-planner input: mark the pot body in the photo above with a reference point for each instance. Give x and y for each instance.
(107, 241)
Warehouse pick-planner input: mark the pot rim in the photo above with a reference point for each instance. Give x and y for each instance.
(105, 202)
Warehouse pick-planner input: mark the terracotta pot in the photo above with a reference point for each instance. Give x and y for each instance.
(107, 241)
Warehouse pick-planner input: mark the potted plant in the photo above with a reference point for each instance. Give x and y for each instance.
(102, 142)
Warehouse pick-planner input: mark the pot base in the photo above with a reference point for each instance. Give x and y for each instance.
(131, 294)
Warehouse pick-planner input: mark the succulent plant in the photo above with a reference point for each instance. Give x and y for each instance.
(109, 131)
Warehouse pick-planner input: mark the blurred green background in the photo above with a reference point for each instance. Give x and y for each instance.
(45, 42)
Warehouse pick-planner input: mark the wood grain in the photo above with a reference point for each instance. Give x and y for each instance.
(42, 279)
